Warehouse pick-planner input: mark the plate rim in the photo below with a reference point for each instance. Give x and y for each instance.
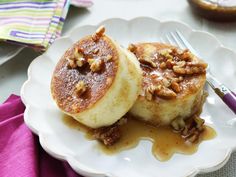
(78, 167)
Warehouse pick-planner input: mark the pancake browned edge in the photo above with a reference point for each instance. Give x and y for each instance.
(96, 81)
(172, 86)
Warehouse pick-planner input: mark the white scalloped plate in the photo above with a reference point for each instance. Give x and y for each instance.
(43, 117)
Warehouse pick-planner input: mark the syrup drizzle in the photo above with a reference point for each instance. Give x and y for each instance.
(165, 142)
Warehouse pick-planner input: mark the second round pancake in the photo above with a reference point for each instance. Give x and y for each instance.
(172, 85)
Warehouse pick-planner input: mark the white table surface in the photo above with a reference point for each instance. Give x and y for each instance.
(14, 72)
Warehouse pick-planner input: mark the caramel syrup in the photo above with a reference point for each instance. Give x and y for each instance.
(165, 141)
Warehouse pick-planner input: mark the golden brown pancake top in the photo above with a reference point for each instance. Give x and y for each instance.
(155, 70)
(65, 78)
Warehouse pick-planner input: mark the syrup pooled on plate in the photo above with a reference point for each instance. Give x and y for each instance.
(165, 142)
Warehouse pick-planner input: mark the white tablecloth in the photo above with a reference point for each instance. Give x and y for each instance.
(13, 73)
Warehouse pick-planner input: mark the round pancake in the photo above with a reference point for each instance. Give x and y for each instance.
(102, 87)
(172, 85)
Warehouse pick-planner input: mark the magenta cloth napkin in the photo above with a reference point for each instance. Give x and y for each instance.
(20, 152)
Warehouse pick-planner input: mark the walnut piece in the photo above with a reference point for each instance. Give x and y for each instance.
(161, 90)
(175, 86)
(78, 53)
(165, 92)
(179, 70)
(149, 92)
(95, 51)
(90, 61)
(148, 61)
(72, 64)
(186, 55)
(166, 53)
(195, 70)
(199, 122)
(108, 57)
(163, 65)
(181, 63)
(80, 88)
(196, 63)
(99, 33)
(77, 60)
(170, 64)
(178, 80)
(132, 48)
(80, 62)
(108, 135)
(178, 124)
(194, 126)
(96, 65)
(166, 82)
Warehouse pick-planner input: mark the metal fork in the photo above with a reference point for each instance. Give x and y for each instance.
(228, 96)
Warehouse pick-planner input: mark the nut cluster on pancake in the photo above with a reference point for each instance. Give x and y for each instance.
(80, 58)
(173, 65)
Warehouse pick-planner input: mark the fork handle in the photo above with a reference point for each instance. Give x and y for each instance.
(228, 96)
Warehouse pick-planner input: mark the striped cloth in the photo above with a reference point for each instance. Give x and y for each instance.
(33, 23)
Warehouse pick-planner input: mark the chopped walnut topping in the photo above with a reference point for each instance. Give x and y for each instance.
(175, 86)
(193, 129)
(96, 65)
(186, 55)
(166, 53)
(199, 122)
(77, 60)
(99, 33)
(78, 53)
(111, 134)
(165, 92)
(149, 92)
(178, 124)
(80, 62)
(189, 69)
(180, 78)
(90, 61)
(195, 70)
(108, 57)
(132, 48)
(154, 76)
(108, 135)
(72, 63)
(96, 51)
(80, 88)
(181, 63)
(148, 61)
(163, 65)
(179, 70)
(176, 51)
(169, 63)
(166, 82)
(194, 137)
(196, 63)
